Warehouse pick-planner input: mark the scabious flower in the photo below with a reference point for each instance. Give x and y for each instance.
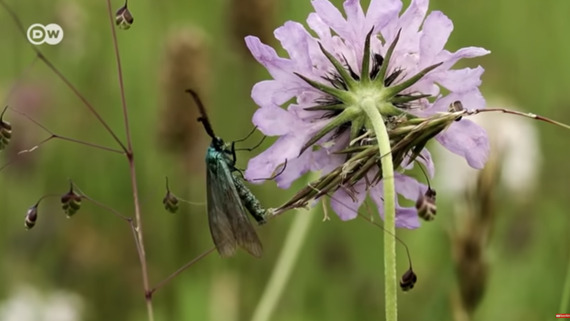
(397, 61)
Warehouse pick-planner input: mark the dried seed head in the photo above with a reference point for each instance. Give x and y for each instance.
(186, 64)
(170, 202)
(251, 17)
(408, 280)
(31, 217)
(123, 18)
(426, 205)
(5, 131)
(71, 202)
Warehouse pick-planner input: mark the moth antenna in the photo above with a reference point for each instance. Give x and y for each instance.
(203, 116)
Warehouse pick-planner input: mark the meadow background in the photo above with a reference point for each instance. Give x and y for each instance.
(340, 272)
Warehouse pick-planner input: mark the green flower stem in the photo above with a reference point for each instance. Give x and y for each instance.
(565, 292)
(287, 258)
(368, 105)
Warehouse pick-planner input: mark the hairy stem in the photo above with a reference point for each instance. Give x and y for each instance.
(283, 268)
(368, 105)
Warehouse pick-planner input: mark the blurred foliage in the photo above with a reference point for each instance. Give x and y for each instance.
(340, 274)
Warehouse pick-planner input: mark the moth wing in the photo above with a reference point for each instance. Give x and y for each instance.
(229, 224)
(218, 217)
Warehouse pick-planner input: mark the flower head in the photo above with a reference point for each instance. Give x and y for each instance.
(397, 62)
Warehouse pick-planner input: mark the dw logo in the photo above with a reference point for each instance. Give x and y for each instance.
(51, 34)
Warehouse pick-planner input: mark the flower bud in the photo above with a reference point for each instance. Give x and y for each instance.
(426, 205)
(31, 217)
(71, 202)
(170, 202)
(5, 131)
(123, 18)
(408, 280)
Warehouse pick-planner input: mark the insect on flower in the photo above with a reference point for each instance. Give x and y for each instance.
(228, 197)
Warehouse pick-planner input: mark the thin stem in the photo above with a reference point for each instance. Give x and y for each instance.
(29, 150)
(565, 292)
(391, 300)
(103, 206)
(283, 268)
(48, 63)
(120, 78)
(56, 136)
(180, 270)
(137, 228)
(518, 113)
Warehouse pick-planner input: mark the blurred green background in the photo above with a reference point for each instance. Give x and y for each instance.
(340, 272)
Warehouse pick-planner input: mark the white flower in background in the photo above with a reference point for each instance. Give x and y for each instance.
(26, 303)
(514, 140)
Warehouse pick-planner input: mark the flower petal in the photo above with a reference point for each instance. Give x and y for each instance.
(330, 15)
(296, 167)
(294, 39)
(268, 93)
(407, 217)
(381, 12)
(408, 186)
(275, 121)
(435, 32)
(467, 139)
(346, 203)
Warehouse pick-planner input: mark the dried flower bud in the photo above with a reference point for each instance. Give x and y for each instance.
(170, 202)
(123, 18)
(5, 131)
(426, 205)
(31, 217)
(71, 202)
(456, 106)
(408, 280)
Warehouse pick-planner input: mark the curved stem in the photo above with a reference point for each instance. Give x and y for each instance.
(368, 105)
(282, 272)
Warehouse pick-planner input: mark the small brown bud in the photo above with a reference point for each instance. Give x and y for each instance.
(71, 202)
(426, 205)
(455, 107)
(408, 280)
(31, 217)
(170, 202)
(123, 18)
(5, 131)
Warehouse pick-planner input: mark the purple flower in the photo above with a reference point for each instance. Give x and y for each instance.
(328, 71)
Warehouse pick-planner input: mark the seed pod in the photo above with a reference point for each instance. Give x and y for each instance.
(408, 280)
(426, 205)
(5, 131)
(170, 202)
(71, 202)
(31, 217)
(123, 18)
